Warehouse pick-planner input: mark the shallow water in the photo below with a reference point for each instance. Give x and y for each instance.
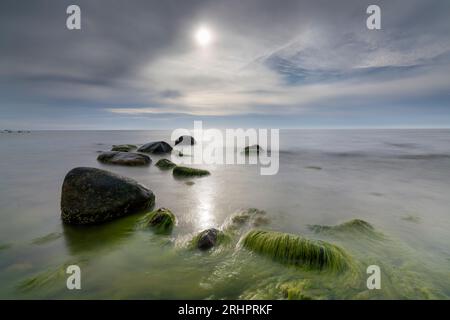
(398, 180)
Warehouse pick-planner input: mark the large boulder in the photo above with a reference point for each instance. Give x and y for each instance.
(91, 196)
(185, 140)
(158, 147)
(124, 158)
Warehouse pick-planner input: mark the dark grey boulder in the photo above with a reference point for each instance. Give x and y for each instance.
(124, 158)
(185, 140)
(92, 196)
(158, 147)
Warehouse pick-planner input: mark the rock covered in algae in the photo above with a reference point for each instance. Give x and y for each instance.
(124, 158)
(91, 196)
(295, 250)
(208, 238)
(189, 172)
(165, 164)
(123, 147)
(161, 220)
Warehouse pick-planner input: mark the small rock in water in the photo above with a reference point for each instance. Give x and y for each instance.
(207, 239)
(189, 172)
(185, 140)
(123, 147)
(165, 164)
(189, 183)
(253, 149)
(91, 196)
(124, 158)
(158, 147)
(161, 220)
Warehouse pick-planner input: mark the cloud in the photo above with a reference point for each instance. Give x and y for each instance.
(268, 58)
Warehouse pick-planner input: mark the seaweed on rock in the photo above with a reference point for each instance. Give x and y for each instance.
(189, 172)
(161, 220)
(165, 164)
(295, 250)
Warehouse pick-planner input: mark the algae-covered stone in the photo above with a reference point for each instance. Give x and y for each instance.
(158, 147)
(161, 220)
(165, 164)
(189, 172)
(91, 196)
(123, 147)
(295, 250)
(208, 238)
(124, 158)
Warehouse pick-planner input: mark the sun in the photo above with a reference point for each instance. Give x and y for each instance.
(203, 37)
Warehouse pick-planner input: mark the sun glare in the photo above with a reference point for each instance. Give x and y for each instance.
(203, 37)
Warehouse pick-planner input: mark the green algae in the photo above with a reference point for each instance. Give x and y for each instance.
(189, 172)
(295, 250)
(123, 147)
(165, 164)
(161, 221)
(5, 246)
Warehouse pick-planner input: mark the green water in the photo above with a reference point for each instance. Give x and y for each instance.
(406, 201)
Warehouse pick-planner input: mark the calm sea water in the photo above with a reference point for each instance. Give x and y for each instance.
(398, 180)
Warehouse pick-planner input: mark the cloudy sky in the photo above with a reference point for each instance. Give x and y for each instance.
(277, 64)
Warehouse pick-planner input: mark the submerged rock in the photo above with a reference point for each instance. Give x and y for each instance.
(161, 220)
(189, 172)
(123, 147)
(124, 158)
(355, 225)
(158, 147)
(91, 196)
(253, 149)
(165, 164)
(248, 217)
(295, 250)
(185, 140)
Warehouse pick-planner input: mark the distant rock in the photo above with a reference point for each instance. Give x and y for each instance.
(253, 149)
(124, 158)
(185, 140)
(123, 147)
(165, 164)
(92, 196)
(158, 147)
